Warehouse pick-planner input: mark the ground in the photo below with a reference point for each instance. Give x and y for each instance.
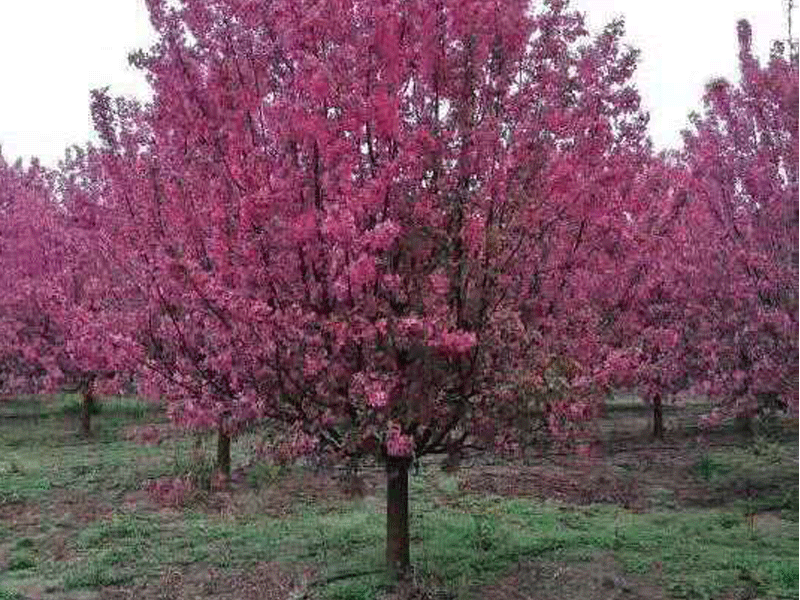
(133, 512)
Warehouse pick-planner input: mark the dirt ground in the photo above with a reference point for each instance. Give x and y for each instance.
(266, 581)
(599, 579)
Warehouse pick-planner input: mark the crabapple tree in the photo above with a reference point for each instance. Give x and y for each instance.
(708, 266)
(24, 215)
(372, 221)
(55, 304)
(743, 159)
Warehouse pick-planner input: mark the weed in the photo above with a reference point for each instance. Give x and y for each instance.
(120, 527)
(689, 590)
(483, 534)
(786, 575)
(21, 560)
(263, 474)
(707, 467)
(94, 575)
(194, 467)
(729, 520)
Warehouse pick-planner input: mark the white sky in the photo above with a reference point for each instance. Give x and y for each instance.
(685, 43)
(52, 52)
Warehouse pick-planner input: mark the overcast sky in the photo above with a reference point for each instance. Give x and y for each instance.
(52, 52)
(685, 43)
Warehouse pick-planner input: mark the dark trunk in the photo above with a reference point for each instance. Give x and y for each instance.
(224, 453)
(744, 424)
(398, 555)
(658, 418)
(87, 408)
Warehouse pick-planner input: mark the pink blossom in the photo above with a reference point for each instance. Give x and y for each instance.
(440, 283)
(382, 236)
(397, 442)
(457, 342)
(376, 396)
(362, 271)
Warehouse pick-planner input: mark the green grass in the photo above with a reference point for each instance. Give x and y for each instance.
(703, 552)
(45, 454)
(459, 541)
(94, 574)
(6, 594)
(758, 478)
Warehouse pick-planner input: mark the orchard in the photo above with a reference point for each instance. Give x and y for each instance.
(376, 232)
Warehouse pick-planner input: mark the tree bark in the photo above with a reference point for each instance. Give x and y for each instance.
(87, 407)
(398, 554)
(658, 418)
(224, 453)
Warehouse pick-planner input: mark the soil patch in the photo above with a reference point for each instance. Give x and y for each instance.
(71, 510)
(597, 484)
(265, 580)
(598, 579)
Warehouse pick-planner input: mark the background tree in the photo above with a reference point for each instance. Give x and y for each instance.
(56, 302)
(25, 213)
(644, 315)
(743, 156)
(709, 296)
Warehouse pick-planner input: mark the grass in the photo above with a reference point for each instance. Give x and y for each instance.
(759, 478)
(459, 541)
(6, 594)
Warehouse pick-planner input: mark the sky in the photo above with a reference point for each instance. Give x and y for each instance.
(53, 52)
(684, 44)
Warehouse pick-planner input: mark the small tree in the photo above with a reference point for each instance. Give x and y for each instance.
(646, 316)
(56, 302)
(709, 301)
(743, 156)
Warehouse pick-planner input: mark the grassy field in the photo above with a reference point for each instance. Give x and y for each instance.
(713, 518)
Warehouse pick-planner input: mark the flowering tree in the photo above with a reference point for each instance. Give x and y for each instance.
(644, 315)
(23, 213)
(743, 156)
(56, 303)
(371, 221)
(708, 300)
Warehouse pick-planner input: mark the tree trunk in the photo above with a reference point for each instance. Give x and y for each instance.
(87, 407)
(398, 555)
(658, 418)
(744, 424)
(224, 453)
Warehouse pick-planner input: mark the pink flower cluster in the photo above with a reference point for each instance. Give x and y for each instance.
(374, 387)
(397, 442)
(457, 342)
